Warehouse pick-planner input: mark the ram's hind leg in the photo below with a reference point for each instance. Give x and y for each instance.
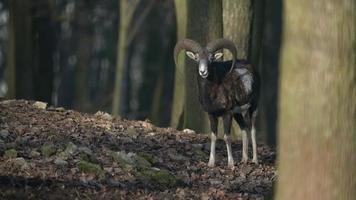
(244, 132)
(214, 128)
(253, 138)
(227, 128)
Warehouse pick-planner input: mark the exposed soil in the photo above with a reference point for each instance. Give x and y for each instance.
(53, 153)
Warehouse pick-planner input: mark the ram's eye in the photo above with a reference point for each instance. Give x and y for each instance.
(217, 56)
(192, 55)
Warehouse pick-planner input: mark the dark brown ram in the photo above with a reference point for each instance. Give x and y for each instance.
(227, 89)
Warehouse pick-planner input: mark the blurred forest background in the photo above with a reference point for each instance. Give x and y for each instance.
(116, 56)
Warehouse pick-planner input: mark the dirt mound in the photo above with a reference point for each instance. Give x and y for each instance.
(53, 153)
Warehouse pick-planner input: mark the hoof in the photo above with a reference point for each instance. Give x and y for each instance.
(231, 166)
(255, 161)
(244, 160)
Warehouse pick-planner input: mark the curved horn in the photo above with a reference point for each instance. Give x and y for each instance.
(186, 44)
(223, 44)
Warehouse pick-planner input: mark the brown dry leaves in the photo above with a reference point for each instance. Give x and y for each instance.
(83, 162)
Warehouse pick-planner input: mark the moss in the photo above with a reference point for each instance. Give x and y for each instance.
(141, 162)
(149, 157)
(69, 151)
(88, 167)
(158, 177)
(122, 160)
(11, 153)
(48, 150)
(200, 154)
(85, 157)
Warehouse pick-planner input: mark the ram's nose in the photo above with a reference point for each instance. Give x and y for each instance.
(203, 69)
(203, 74)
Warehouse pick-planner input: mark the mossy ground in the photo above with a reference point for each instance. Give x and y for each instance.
(63, 154)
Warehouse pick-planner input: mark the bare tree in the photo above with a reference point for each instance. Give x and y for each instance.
(179, 80)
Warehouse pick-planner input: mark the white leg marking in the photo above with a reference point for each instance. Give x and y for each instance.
(230, 159)
(244, 146)
(212, 150)
(254, 145)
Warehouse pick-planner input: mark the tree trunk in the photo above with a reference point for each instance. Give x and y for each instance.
(22, 57)
(43, 50)
(317, 129)
(179, 79)
(161, 63)
(237, 25)
(204, 24)
(84, 38)
(127, 9)
(10, 71)
(30, 55)
(269, 71)
(237, 20)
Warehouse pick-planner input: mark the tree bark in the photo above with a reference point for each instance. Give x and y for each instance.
(237, 26)
(204, 24)
(237, 20)
(179, 79)
(30, 55)
(317, 129)
(268, 67)
(22, 58)
(43, 50)
(10, 71)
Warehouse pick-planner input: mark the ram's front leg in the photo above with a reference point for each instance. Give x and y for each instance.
(214, 128)
(227, 118)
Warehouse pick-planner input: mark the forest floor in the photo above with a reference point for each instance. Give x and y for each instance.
(53, 153)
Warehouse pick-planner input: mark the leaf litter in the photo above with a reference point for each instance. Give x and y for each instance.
(54, 153)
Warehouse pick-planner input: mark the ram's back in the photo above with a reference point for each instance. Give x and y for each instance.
(231, 90)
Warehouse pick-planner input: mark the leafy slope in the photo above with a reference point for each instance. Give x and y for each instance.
(53, 153)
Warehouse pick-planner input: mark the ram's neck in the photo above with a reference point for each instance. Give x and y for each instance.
(204, 89)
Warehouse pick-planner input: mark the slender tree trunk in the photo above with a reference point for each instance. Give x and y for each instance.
(269, 71)
(127, 9)
(10, 71)
(317, 129)
(179, 80)
(157, 99)
(204, 25)
(257, 32)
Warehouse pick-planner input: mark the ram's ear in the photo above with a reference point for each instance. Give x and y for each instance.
(192, 55)
(218, 55)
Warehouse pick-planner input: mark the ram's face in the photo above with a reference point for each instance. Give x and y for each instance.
(204, 58)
